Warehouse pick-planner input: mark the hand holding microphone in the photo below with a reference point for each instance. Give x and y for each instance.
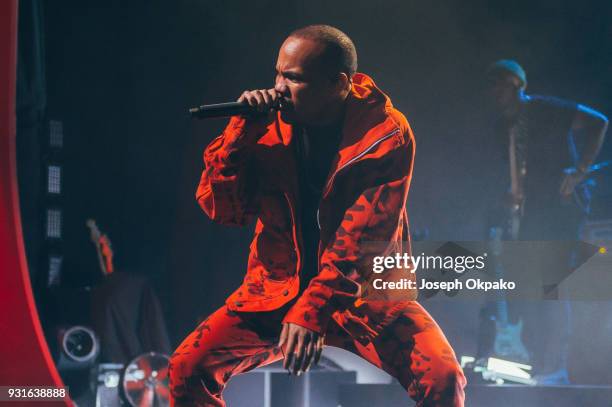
(263, 100)
(252, 103)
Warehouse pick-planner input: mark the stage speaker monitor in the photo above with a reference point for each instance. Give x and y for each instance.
(79, 348)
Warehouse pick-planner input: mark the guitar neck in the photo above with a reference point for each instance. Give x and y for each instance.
(501, 303)
(103, 248)
(502, 311)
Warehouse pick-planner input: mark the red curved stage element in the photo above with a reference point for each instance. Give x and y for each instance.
(24, 356)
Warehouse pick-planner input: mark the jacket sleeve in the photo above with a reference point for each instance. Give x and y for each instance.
(375, 216)
(226, 187)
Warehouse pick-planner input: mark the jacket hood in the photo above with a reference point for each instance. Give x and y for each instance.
(368, 117)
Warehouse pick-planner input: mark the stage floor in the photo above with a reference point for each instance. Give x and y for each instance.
(275, 388)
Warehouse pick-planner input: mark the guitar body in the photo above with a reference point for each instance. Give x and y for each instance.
(508, 344)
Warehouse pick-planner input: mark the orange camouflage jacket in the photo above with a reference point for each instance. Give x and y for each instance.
(251, 171)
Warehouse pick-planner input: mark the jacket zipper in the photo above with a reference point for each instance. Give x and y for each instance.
(351, 161)
(358, 156)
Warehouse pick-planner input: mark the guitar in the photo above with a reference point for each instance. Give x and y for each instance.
(507, 344)
(103, 247)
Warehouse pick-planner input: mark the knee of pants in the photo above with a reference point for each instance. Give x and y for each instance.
(184, 365)
(178, 364)
(449, 381)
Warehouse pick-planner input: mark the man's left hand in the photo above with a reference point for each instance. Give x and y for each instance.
(303, 347)
(570, 182)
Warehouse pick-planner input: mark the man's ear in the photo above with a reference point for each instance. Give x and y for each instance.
(344, 82)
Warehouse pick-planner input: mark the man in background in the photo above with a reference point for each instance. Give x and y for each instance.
(541, 150)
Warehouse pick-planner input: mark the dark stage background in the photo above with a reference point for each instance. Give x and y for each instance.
(121, 75)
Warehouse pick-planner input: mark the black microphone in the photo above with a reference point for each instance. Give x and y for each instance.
(226, 110)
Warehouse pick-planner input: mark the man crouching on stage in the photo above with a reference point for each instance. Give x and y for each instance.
(323, 176)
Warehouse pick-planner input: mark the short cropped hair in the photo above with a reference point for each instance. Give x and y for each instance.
(340, 54)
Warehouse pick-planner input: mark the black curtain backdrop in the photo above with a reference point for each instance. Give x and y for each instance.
(121, 75)
(31, 103)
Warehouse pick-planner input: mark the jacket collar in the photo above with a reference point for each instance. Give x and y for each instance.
(366, 120)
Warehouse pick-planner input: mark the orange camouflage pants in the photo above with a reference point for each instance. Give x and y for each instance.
(412, 349)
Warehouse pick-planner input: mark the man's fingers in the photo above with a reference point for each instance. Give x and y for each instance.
(273, 95)
(262, 99)
(319, 349)
(568, 185)
(303, 346)
(250, 99)
(309, 356)
(266, 97)
(269, 98)
(258, 96)
(289, 349)
(299, 355)
(283, 336)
